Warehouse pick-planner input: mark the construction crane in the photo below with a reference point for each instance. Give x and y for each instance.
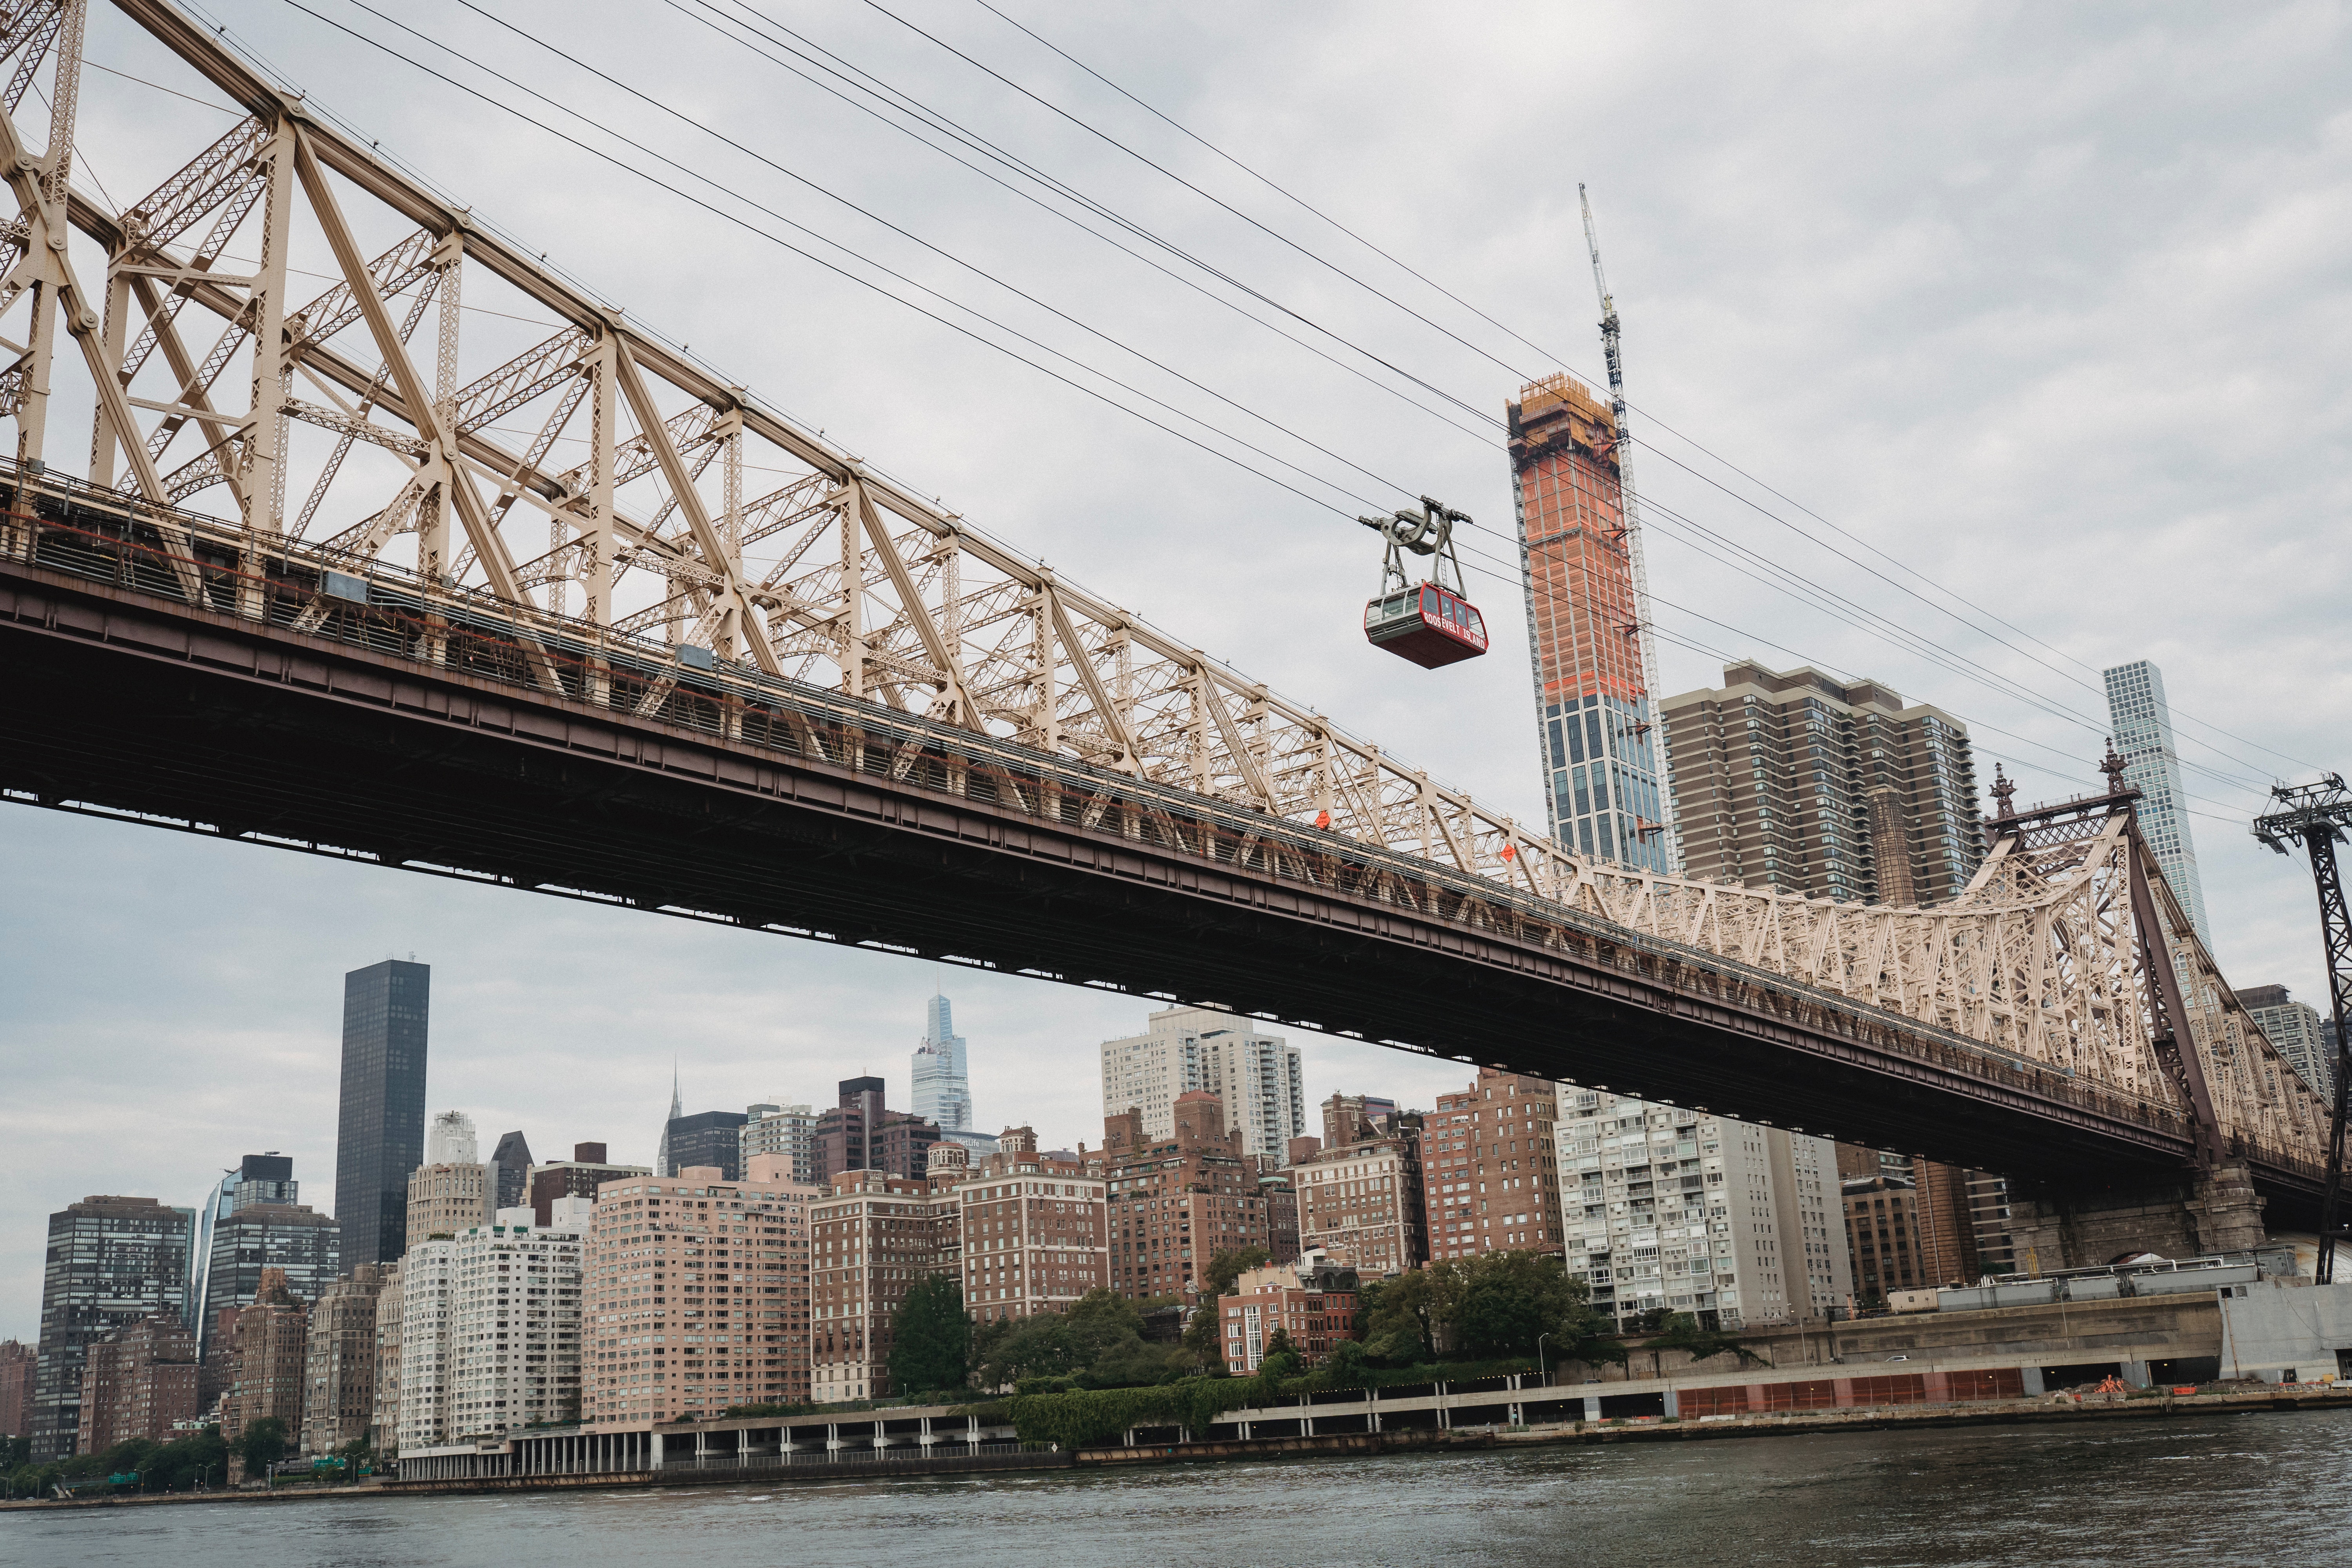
(1614, 351)
(2316, 816)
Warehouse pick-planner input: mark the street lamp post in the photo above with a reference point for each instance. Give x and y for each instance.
(1542, 1371)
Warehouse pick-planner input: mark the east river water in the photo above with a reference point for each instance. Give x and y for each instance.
(2250, 1490)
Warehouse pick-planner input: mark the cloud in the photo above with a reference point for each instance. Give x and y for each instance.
(2046, 303)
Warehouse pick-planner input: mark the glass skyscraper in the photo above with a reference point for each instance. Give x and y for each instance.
(258, 1178)
(380, 1138)
(2143, 726)
(110, 1262)
(943, 1086)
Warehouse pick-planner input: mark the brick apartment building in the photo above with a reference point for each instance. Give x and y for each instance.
(1033, 1230)
(871, 1237)
(1489, 1174)
(859, 1133)
(339, 1362)
(1361, 1202)
(17, 1361)
(1313, 1301)
(1176, 1202)
(136, 1383)
(272, 1345)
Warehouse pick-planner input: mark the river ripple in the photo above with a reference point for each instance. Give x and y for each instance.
(2210, 1490)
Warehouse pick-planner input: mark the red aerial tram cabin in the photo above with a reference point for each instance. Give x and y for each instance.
(1426, 624)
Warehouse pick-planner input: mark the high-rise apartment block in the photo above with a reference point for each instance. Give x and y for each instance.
(511, 1161)
(138, 1382)
(448, 1197)
(427, 1355)
(339, 1362)
(1278, 1192)
(582, 1176)
(859, 1133)
(1670, 1208)
(942, 1079)
(771, 1127)
(1833, 789)
(380, 1132)
(1032, 1232)
(271, 1347)
(490, 1328)
(1258, 1078)
(113, 1262)
(17, 1361)
(1178, 1198)
(2299, 1033)
(391, 1302)
(1361, 1203)
(2143, 726)
(1584, 625)
(1489, 1179)
(697, 1295)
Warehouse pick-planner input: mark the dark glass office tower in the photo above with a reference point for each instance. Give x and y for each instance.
(512, 1161)
(707, 1138)
(381, 1137)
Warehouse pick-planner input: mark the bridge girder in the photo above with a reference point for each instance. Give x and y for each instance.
(878, 595)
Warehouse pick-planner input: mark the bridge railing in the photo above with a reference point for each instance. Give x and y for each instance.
(218, 567)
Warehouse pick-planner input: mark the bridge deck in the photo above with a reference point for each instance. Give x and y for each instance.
(164, 676)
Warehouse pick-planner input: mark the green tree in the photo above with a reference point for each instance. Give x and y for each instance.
(1510, 1299)
(1403, 1321)
(262, 1444)
(930, 1346)
(1133, 1363)
(1277, 1365)
(1100, 1320)
(1039, 1346)
(1344, 1366)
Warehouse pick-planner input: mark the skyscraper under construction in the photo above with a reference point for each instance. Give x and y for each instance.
(1585, 626)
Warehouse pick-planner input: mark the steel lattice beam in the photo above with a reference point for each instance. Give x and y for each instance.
(2057, 955)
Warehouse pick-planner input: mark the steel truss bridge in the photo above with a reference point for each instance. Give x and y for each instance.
(454, 653)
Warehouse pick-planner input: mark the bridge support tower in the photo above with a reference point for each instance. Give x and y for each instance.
(2193, 1215)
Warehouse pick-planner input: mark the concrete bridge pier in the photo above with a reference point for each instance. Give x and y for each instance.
(2186, 1216)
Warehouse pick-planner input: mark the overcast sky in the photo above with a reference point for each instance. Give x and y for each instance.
(2042, 307)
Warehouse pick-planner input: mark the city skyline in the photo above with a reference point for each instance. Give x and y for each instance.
(116, 1047)
(464, 1052)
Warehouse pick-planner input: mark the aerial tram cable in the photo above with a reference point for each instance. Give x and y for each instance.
(1650, 415)
(1259, 451)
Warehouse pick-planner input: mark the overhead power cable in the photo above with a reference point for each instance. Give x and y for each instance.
(1649, 415)
(871, 215)
(777, 240)
(2018, 693)
(914, 107)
